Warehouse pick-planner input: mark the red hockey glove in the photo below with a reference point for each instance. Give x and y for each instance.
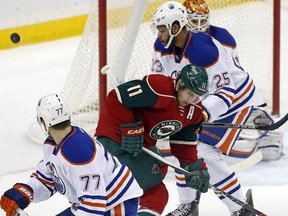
(132, 137)
(19, 196)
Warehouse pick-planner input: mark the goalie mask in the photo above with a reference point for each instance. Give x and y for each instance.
(166, 14)
(195, 78)
(51, 110)
(198, 14)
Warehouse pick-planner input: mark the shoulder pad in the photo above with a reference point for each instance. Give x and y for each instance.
(223, 36)
(201, 50)
(158, 47)
(79, 148)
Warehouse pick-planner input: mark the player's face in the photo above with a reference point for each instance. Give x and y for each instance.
(198, 23)
(186, 96)
(163, 34)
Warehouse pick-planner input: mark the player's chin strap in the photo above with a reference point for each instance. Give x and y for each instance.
(215, 189)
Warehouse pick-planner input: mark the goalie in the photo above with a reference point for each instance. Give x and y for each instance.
(269, 143)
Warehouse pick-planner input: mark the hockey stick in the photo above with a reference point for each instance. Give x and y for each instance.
(251, 127)
(215, 189)
(248, 162)
(20, 212)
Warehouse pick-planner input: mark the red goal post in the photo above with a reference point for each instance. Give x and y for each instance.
(117, 40)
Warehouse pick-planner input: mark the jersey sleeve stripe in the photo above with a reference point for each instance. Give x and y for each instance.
(116, 189)
(243, 85)
(122, 192)
(244, 93)
(239, 105)
(224, 94)
(90, 211)
(93, 204)
(224, 99)
(48, 185)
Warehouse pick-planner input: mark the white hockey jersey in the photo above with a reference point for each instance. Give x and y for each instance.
(226, 40)
(230, 45)
(230, 88)
(85, 173)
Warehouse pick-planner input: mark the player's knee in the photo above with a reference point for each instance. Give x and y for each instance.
(154, 199)
(210, 153)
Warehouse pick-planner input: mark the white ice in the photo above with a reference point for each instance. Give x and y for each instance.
(30, 72)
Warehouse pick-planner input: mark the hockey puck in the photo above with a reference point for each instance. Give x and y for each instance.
(15, 38)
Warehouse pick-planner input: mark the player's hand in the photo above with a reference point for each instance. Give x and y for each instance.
(19, 196)
(132, 137)
(200, 178)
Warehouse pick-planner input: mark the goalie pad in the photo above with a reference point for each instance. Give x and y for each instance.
(270, 143)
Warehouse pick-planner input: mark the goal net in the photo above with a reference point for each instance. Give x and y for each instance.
(130, 43)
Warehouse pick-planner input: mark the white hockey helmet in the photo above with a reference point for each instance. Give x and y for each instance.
(51, 110)
(198, 14)
(166, 14)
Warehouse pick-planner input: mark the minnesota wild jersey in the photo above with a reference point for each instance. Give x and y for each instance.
(153, 102)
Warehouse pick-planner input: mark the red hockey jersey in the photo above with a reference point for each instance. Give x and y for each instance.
(153, 102)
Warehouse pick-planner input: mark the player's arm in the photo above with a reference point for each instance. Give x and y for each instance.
(221, 92)
(183, 144)
(184, 147)
(121, 103)
(40, 187)
(157, 64)
(136, 94)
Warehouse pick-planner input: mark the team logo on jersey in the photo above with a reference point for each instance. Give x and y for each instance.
(58, 182)
(171, 6)
(165, 128)
(155, 169)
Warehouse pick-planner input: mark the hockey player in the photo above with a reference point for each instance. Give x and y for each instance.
(230, 98)
(76, 166)
(198, 20)
(139, 112)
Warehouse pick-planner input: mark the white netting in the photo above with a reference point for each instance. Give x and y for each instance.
(250, 22)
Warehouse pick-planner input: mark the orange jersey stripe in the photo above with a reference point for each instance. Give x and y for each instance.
(43, 180)
(226, 144)
(244, 93)
(226, 95)
(118, 210)
(120, 184)
(230, 184)
(180, 178)
(101, 205)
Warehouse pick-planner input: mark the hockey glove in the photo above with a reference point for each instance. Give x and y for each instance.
(19, 196)
(200, 178)
(132, 137)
